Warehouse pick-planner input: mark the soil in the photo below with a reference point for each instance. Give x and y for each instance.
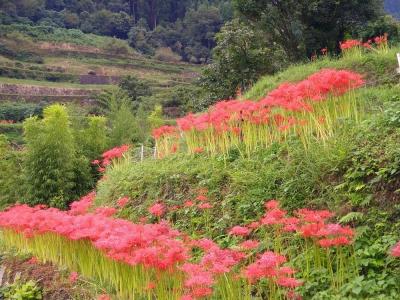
(55, 286)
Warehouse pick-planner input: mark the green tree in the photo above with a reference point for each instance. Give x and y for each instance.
(54, 172)
(303, 26)
(118, 107)
(135, 88)
(93, 138)
(240, 57)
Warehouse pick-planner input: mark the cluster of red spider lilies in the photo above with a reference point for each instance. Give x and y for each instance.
(308, 109)
(355, 47)
(108, 156)
(154, 260)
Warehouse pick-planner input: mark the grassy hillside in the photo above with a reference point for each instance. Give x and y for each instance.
(59, 58)
(356, 175)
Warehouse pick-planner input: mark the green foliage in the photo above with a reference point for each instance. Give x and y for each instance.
(135, 88)
(10, 173)
(238, 187)
(303, 27)
(93, 138)
(22, 291)
(240, 57)
(118, 107)
(187, 26)
(19, 111)
(20, 55)
(55, 173)
(156, 117)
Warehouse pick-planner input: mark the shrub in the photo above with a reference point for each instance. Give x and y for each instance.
(166, 54)
(23, 291)
(117, 47)
(19, 111)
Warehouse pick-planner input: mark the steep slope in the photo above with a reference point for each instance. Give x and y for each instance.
(356, 173)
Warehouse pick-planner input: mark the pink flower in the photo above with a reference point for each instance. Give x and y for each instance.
(239, 231)
(272, 204)
(151, 285)
(33, 260)
(205, 205)
(202, 198)
(188, 203)
(105, 211)
(288, 282)
(249, 244)
(157, 210)
(122, 202)
(396, 250)
(73, 277)
(253, 225)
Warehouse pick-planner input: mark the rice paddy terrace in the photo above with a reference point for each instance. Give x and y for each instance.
(36, 67)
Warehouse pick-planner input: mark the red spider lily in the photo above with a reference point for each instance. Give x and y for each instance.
(314, 216)
(239, 231)
(232, 122)
(293, 296)
(381, 39)
(122, 202)
(202, 198)
(109, 156)
(33, 260)
(157, 210)
(205, 244)
(73, 277)
(116, 152)
(188, 203)
(105, 211)
(205, 205)
(271, 204)
(164, 131)
(288, 282)
(269, 265)
(254, 225)
(348, 44)
(396, 250)
(82, 206)
(273, 217)
(151, 285)
(249, 245)
(104, 297)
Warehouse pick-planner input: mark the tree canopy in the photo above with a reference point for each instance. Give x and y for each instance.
(303, 26)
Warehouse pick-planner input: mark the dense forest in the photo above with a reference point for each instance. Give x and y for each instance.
(187, 27)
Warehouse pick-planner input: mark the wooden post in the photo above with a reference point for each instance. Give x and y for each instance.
(155, 152)
(141, 153)
(398, 59)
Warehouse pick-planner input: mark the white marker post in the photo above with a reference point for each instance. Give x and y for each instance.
(398, 59)
(142, 153)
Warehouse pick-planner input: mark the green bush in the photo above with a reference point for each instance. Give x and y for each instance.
(19, 111)
(22, 291)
